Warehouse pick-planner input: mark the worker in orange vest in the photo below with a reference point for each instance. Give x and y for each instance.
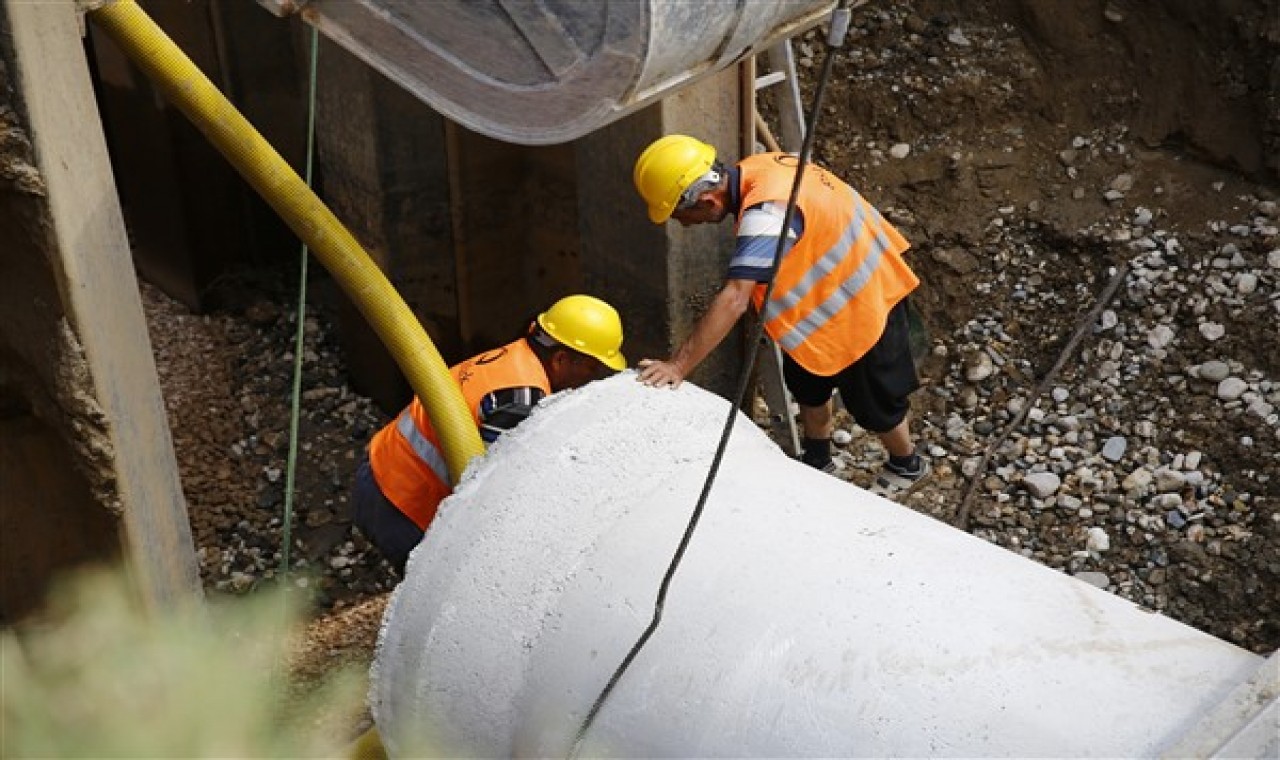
(837, 310)
(403, 478)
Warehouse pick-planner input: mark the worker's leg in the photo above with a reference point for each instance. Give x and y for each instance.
(817, 421)
(386, 527)
(897, 441)
(813, 395)
(877, 390)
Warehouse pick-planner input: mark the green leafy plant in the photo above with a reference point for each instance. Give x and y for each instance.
(100, 676)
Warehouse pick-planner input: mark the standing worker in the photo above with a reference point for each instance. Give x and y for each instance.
(403, 477)
(838, 307)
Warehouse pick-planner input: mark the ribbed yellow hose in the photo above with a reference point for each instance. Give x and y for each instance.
(192, 92)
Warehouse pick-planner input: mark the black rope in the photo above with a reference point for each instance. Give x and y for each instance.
(835, 41)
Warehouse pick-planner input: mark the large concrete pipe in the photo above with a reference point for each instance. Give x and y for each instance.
(808, 618)
(548, 72)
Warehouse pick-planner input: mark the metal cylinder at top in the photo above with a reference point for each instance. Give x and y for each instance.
(808, 618)
(548, 71)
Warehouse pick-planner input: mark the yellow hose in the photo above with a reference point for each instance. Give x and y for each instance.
(192, 92)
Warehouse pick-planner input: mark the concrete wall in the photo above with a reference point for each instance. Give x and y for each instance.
(478, 235)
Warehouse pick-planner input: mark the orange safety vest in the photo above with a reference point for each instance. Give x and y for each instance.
(834, 289)
(406, 457)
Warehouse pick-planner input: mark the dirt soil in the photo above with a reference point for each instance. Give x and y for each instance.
(1018, 118)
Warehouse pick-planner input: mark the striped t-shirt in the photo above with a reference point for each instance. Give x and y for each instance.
(758, 229)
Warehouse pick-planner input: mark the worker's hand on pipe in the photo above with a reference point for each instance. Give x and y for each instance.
(660, 374)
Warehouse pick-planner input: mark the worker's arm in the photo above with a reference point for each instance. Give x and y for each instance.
(726, 309)
(504, 409)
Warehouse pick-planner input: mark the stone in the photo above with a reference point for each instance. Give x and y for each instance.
(1041, 485)
(1100, 580)
(1168, 480)
(1213, 371)
(1137, 480)
(1160, 336)
(1212, 330)
(958, 259)
(1231, 388)
(978, 367)
(1113, 450)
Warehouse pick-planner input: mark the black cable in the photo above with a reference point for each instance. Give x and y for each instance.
(835, 41)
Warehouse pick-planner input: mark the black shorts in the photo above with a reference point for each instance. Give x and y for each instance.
(874, 388)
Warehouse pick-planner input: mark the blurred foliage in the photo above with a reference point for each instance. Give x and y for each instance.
(101, 676)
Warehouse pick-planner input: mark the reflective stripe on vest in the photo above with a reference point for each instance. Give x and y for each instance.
(826, 264)
(406, 455)
(425, 450)
(834, 288)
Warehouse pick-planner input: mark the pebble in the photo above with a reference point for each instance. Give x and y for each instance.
(1137, 480)
(1113, 450)
(1213, 371)
(1041, 485)
(1160, 337)
(1231, 388)
(1168, 480)
(1212, 330)
(978, 367)
(1099, 580)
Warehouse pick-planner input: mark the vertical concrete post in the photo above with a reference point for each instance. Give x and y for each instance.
(662, 278)
(476, 234)
(74, 314)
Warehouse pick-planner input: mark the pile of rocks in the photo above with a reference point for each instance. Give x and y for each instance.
(1151, 464)
(227, 379)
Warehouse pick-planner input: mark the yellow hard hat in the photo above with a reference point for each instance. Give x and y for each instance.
(666, 169)
(587, 325)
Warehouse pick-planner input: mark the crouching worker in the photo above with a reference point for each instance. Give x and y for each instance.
(403, 477)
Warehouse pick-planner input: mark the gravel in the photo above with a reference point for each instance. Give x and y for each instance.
(1150, 468)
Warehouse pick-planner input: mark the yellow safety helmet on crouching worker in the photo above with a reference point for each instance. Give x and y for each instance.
(587, 325)
(666, 169)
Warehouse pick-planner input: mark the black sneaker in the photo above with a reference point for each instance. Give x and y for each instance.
(828, 465)
(897, 483)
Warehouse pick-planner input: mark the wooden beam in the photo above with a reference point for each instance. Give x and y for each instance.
(98, 367)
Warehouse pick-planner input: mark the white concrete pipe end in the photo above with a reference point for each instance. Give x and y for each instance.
(809, 617)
